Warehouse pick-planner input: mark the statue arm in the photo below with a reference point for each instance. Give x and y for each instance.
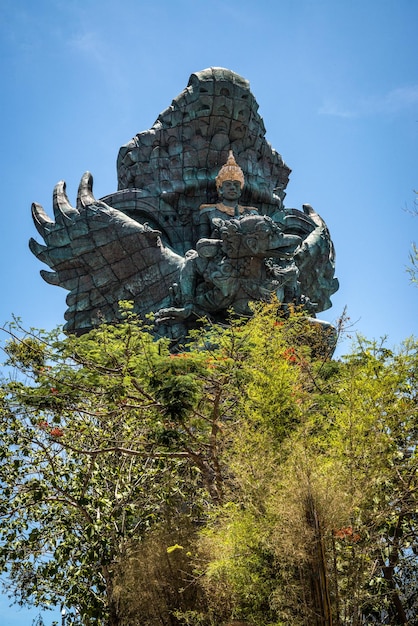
(205, 224)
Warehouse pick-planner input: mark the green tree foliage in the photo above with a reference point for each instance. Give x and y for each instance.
(249, 477)
(323, 528)
(97, 451)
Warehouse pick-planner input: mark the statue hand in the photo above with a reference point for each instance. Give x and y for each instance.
(173, 314)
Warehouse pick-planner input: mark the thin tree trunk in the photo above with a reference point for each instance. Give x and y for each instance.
(388, 574)
(337, 593)
(113, 604)
(321, 602)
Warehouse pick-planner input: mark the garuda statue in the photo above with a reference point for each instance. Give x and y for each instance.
(198, 226)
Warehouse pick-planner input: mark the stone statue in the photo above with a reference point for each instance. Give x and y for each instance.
(229, 185)
(175, 238)
(229, 266)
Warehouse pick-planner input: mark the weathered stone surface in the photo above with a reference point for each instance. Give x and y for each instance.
(133, 244)
(177, 160)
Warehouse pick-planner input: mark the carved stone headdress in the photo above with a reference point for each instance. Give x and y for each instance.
(230, 171)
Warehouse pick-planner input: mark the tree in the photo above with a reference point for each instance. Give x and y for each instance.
(248, 477)
(323, 529)
(103, 445)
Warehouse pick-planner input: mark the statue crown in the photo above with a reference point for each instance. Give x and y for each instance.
(230, 171)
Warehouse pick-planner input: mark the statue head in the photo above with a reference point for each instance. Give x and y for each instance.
(231, 171)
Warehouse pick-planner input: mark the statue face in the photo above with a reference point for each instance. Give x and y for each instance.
(230, 189)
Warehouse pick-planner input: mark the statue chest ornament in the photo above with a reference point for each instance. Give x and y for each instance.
(226, 210)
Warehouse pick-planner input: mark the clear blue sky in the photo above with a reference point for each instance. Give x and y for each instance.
(337, 86)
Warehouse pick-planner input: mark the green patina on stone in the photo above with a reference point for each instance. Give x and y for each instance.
(171, 239)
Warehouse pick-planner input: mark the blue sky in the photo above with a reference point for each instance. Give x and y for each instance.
(337, 86)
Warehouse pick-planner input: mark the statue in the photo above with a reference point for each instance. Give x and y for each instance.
(229, 266)
(229, 185)
(175, 238)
